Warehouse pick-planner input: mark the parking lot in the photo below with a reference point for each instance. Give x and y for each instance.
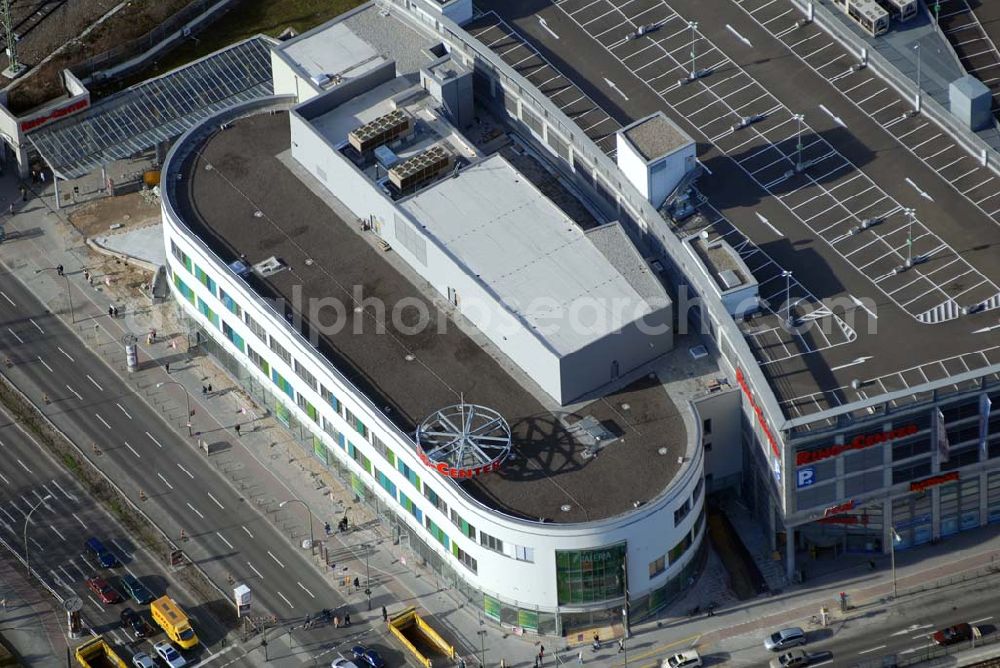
(829, 196)
(978, 53)
(922, 138)
(496, 34)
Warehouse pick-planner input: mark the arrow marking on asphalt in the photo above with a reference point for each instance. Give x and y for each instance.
(739, 36)
(768, 223)
(985, 329)
(920, 190)
(859, 360)
(836, 119)
(614, 86)
(545, 26)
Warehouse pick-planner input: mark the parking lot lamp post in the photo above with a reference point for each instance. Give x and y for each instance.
(187, 400)
(916, 47)
(910, 215)
(788, 298)
(798, 142)
(893, 539)
(312, 535)
(482, 644)
(694, 29)
(27, 520)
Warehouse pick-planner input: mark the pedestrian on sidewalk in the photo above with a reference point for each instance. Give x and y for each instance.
(385, 615)
(326, 527)
(238, 435)
(24, 194)
(204, 390)
(209, 388)
(597, 642)
(579, 658)
(347, 619)
(111, 311)
(621, 645)
(357, 584)
(59, 270)
(166, 366)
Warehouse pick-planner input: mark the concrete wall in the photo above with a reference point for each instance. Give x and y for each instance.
(723, 449)
(633, 166)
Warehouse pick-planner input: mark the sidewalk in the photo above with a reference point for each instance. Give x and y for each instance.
(29, 619)
(268, 464)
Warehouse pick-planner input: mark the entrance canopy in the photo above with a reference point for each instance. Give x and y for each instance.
(156, 110)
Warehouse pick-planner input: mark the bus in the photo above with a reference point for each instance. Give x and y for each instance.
(900, 10)
(868, 14)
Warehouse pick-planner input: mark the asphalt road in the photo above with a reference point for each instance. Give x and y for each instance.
(140, 451)
(63, 516)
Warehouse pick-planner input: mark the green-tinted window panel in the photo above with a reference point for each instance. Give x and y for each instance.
(183, 288)
(527, 619)
(319, 449)
(207, 311)
(590, 576)
(491, 608)
(188, 264)
(282, 384)
(312, 412)
(235, 338)
(390, 456)
(205, 279)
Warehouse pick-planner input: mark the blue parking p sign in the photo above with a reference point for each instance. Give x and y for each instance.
(806, 476)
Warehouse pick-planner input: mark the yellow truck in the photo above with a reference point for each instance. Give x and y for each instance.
(173, 621)
(422, 641)
(97, 653)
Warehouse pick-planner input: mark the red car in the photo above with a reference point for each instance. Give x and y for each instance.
(953, 634)
(100, 586)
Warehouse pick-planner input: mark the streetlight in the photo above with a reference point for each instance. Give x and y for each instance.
(788, 298)
(69, 291)
(694, 28)
(916, 47)
(27, 520)
(798, 142)
(482, 644)
(187, 399)
(910, 214)
(312, 535)
(368, 577)
(895, 538)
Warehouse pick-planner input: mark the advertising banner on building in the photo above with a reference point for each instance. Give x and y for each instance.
(943, 447)
(984, 425)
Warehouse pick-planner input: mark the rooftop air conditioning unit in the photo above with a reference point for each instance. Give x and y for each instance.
(268, 267)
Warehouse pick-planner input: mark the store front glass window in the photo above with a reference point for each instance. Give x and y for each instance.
(590, 576)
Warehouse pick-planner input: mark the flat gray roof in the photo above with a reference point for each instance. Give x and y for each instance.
(529, 254)
(655, 136)
(332, 50)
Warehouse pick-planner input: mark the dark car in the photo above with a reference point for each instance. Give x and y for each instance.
(136, 590)
(100, 586)
(133, 621)
(368, 657)
(100, 553)
(953, 634)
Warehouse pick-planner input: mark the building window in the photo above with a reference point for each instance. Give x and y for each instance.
(437, 532)
(387, 484)
(522, 553)
(305, 375)
(590, 576)
(180, 255)
(282, 384)
(706, 427)
(467, 529)
(908, 472)
(183, 288)
(329, 398)
(307, 407)
(678, 550)
(682, 512)
(230, 303)
(207, 311)
(657, 567)
(359, 457)
(256, 358)
(205, 279)
(697, 491)
(280, 351)
(332, 431)
(409, 473)
(353, 420)
(404, 500)
(235, 338)
(255, 327)
(464, 557)
(379, 446)
(435, 500)
(490, 542)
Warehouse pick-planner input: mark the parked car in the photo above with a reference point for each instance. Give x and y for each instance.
(102, 555)
(100, 586)
(795, 658)
(785, 639)
(169, 654)
(136, 590)
(133, 622)
(143, 660)
(368, 657)
(953, 634)
(343, 663)
(688, 659)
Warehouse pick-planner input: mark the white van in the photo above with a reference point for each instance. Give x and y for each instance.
(688, 659)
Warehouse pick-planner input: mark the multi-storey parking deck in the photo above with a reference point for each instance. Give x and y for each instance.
(858, 170)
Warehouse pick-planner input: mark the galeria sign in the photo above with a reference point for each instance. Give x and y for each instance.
(857, 443)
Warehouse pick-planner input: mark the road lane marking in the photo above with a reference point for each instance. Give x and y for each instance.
(165, 481)
(66, 573)
(45, 365)
(873, 649)
(216, 500)
(7, 482)
(41, 499)
(79, 570)
(980, 621)
(7, 514)
(132, 450)
(24, 466)
(195, 511)
(64, 492)
(77, 518)
(185, 471)
(14, 334)
(255, 570)
(77, 395)
(37, 326)
(96, 384)
(153, 439)
(286, 600)
(61, 537)
(9, 301)
(223, 539)
(247, 530)
(66, 354)
(120, 548)
(270, 554)
(303, 588)
(911, 628)
(123, 410)
(102, 420)
(96, 604)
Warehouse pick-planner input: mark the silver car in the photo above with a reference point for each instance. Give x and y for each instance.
(785, 638)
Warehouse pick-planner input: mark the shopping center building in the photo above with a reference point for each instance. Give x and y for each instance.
(397, 237)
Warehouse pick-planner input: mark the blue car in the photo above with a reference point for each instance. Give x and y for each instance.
(101, 554)
(368, 657)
